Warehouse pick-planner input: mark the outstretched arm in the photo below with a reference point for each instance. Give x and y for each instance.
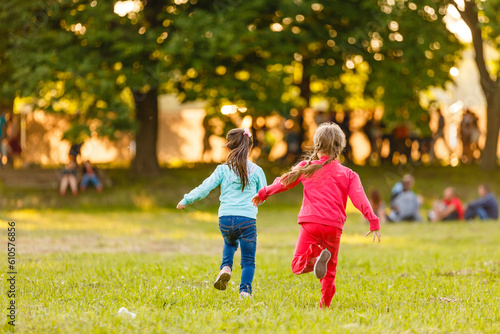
(202, 190)
(275, 188)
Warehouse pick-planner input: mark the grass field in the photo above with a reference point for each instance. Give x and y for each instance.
(127, 191)
(78, 267)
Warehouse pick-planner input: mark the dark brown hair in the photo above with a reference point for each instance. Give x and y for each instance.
(330, 140)
(375, 199)
(240, 144)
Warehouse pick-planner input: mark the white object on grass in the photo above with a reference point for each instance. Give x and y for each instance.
(124, 312)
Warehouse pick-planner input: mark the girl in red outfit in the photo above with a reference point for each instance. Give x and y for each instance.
(326, 186)
(450, 208)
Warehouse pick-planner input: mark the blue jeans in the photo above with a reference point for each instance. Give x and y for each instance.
(240, 230)
(480, 212)
(90, 178)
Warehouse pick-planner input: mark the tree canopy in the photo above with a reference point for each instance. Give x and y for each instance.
(107, 67)
(270, 54)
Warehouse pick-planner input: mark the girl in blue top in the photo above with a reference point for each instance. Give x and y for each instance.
(240, 181)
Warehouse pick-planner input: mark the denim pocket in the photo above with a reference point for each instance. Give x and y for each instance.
(223, 230)
(226, 220)
(226, 232)
(249, 233)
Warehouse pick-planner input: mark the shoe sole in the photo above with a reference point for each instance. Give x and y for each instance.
(222, 280)
(245, 297)
(320, 267)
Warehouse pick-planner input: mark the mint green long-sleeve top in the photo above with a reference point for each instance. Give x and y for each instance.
(233, 201)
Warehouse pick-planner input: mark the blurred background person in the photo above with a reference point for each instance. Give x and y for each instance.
(449, 208)
(3, 140)
(14, 149)
(405, 206)
(69, 177)
(485, 207)
(90, 176)
(292, 139)
(345, 125)
(374, 133)
(439, 134)
(378, 205)
(469, 133)
(74, 151)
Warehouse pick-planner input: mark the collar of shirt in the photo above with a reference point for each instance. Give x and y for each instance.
(326, 157)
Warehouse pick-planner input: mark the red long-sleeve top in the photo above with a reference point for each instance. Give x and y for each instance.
(325, 195)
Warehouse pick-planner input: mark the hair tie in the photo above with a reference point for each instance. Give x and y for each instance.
(247, 132)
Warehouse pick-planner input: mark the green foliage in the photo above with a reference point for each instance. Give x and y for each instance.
(266, 56)
(92, 55)
(489, 21)
(417, 53)
(7, 85)
(391, 51)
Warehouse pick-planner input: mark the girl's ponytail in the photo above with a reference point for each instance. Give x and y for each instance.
(239, 141)
(330, 140)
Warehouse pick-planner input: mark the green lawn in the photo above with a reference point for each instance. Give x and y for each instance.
(76, 269)
(127, 191)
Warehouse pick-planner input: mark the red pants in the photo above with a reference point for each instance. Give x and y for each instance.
(313, 238)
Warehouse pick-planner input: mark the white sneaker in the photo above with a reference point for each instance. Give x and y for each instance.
(245, 295)
(223, 278)
(320, 267)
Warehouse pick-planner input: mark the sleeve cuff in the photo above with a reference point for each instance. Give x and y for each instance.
(374, 224)
(184, 201)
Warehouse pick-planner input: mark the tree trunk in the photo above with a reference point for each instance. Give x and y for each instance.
(490, 88)
(6, 105)
(305, 93)
(145, 162)
(489, 155)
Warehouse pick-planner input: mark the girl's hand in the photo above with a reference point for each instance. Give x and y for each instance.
(256, 201)
(180, 206)
(376, 233)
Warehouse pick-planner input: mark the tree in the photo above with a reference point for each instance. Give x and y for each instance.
(269, 54)
(8, 85)
(268, 57)
(82, 51)
(482, 19)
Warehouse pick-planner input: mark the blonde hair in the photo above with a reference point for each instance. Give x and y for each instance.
(330, 140)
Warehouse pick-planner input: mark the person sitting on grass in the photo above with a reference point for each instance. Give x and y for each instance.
(449, 208)
(327, 184)
(405, 205)
(239, 180)
(68, 177)
(90, 176)
(378, 205)
(485, 207)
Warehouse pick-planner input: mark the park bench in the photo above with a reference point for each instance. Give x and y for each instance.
(38, 178)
